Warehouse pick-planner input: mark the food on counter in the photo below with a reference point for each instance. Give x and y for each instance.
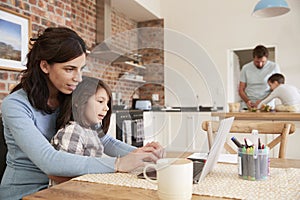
(265, 108)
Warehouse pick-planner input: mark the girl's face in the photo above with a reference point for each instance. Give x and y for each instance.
(97, 107)
(64, 77)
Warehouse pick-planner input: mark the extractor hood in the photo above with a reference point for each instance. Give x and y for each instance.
(105, 50)
(108, 53)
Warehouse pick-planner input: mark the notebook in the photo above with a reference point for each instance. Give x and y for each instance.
(201, 170)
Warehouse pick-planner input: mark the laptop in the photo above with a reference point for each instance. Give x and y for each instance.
(203, 167)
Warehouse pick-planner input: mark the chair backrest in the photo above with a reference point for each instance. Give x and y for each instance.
(263, 127)
(3, 150)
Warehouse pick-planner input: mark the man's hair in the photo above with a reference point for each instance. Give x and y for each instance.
(260, 51)
(276, 77)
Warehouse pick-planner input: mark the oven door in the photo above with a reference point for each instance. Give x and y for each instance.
(130, 127)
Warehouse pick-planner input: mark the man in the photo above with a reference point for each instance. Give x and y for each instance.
(254, 78)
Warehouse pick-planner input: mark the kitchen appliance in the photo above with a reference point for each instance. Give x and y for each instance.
(142, 104)
(130, 127)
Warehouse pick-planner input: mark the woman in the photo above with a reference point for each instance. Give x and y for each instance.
(54, 69)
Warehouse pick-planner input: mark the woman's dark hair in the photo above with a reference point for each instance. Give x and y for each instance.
(276, 77)
(74, 109)
(260, 51)
(55, 45)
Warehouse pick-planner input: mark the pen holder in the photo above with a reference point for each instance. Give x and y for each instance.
(253, 164)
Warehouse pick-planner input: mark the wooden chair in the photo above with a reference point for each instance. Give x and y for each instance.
(263, 127)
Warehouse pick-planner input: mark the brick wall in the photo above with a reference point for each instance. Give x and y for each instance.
(80, 15)
(153, 59)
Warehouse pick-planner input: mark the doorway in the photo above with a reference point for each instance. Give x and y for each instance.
(237, 59)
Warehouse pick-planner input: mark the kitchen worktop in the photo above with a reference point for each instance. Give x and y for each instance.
(160, 110)
(174, 109)
(282, 116)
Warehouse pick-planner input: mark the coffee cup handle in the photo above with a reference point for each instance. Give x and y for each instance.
(145, 174)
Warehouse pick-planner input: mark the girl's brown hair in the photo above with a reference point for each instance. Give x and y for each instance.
(74, 109)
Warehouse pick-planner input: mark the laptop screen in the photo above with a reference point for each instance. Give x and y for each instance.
(215, 151)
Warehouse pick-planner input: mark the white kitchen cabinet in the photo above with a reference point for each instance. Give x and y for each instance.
(112, 126)
(185, 132)
(155, 124)
(177, 131)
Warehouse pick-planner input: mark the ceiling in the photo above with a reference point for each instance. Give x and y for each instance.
(133, 10)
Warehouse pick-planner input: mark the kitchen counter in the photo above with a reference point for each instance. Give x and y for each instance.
(173, 109)
(278, 116)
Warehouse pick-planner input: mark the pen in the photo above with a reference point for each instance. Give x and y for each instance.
(259, 144)
(236, 142)
(244, 163)
(246, 144)
(257, 165)
(251, 164)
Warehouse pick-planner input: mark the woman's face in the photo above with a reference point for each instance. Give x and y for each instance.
(97, 107)
(64, 77)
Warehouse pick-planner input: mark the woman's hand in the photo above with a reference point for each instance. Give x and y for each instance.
(151, 152)
(155, 148)
(134, 160)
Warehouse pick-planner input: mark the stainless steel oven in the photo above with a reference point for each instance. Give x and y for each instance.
(130, 127)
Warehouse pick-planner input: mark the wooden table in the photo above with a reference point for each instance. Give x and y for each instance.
(276, 116)
(86, 190)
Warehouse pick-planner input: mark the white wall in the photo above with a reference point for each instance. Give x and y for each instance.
(219, 26)
(153, 6)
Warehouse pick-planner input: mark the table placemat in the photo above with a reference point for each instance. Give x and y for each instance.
(223, 181)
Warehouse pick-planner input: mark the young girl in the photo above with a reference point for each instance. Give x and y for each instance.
(83, 124)
(84, 121)
(289, 95)
(53, 71)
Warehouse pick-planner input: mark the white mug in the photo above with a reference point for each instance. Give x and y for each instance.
(174, 178)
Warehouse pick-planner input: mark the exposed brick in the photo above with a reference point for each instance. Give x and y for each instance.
(59, 12)
(14, 76)
(3, 75)
(41, 4)
(81, 16)
(38, 11)
(11, 86)
(50, 8)
(2, 95)
(2, 86)
(33, 2)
